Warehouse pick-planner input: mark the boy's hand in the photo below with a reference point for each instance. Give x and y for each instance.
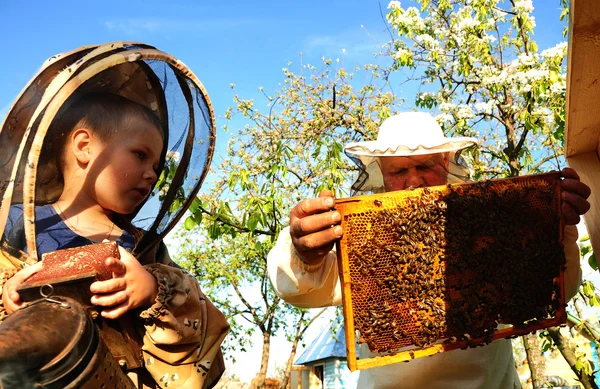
(10, 297)
(310, 227)
(131, 287)
(574, 196)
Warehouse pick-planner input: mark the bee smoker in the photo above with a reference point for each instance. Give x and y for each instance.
(53, 343)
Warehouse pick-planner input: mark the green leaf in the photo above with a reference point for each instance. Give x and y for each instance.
(189, 223)
(253, 221)
(198, 217)
(592, 261)
(588, 289)
(585, 249)
(195, 205)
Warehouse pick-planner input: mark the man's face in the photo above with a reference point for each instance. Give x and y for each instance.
(417, 171)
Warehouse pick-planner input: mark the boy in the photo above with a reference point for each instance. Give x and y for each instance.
(109, 152)
(410, 151)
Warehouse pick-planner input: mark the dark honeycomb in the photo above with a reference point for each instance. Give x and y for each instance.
(448, 264)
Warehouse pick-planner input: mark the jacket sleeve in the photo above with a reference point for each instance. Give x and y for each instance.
(573, 270)
(302, 285)
(183, 330)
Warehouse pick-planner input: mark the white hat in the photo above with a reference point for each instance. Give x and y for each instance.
(406, 134)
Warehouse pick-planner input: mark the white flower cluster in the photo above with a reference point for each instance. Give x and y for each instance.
(558, 51)
(463, 111)
(447, 107)
(410, 19)
(488, 38)
(163, 191)
(523, 6)
(401, 52)
(428, 41)
(172, 156)
(486, 106)
(559, 87)
(425, 95)
(467, 23)
(525, 60)
(394, 5)
(444, 117)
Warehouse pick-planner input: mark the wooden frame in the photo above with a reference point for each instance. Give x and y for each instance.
(362, 204)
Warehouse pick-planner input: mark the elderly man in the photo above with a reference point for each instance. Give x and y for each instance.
(410, 151)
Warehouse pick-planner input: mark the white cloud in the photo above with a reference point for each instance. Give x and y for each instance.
(355, 44)
(134, 26)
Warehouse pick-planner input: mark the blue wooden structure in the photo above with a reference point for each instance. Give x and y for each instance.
(323, 364)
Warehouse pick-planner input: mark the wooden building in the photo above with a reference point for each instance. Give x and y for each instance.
(323, 364)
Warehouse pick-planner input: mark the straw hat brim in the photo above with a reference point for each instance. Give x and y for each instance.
(369, 151)
(378, 149)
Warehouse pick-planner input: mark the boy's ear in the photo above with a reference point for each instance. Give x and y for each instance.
(81, 140)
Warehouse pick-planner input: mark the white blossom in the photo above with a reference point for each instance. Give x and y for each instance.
(401, 51)
(172, 156)
(464, 112)
(523, 6)
(447, 107)
(163, 191)
(411, 18)
(428, 41)
(394, 4)
(444, 117)
(558, 87)
(488, 38)
(467, 23)
(557, 51)
(485, 107)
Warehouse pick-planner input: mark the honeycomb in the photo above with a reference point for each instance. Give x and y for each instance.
(447, 265)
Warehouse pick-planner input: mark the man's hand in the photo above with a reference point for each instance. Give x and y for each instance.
(574, 196)
(10, 297)
(131, 287)
(314, 227)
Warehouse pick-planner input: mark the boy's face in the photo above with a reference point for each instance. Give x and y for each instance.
(418, 171)
(123, 169)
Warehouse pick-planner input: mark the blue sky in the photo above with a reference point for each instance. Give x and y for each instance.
(246, 43)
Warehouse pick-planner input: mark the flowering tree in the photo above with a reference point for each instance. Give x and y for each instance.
(276, 157)
(480, 70)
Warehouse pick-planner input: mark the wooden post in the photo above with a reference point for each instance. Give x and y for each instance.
(582, 126)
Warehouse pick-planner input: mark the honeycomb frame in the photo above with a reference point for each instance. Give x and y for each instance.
(399, 321)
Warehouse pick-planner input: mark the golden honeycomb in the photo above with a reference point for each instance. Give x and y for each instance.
(446, 265)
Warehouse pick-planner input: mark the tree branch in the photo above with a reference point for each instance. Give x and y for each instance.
(236, 226)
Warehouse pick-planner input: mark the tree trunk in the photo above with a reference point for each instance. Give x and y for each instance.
(259, 380)
(567, 352)
(535, 360)
(300, 330)
(285, 383)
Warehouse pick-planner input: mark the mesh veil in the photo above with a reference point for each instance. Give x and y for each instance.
(139, 73)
